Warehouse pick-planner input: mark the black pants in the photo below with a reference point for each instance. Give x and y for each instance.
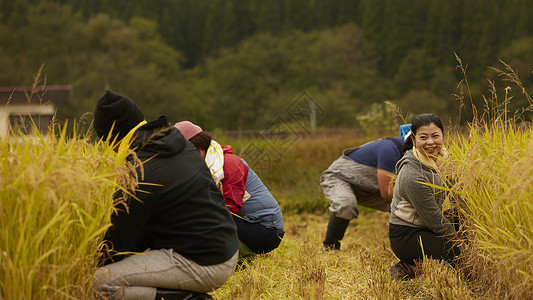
(259, 238)
(405, 243)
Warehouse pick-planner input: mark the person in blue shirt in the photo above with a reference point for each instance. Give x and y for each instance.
(360, 176)
(259, 221)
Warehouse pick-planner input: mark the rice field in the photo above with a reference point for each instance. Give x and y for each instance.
(56, 202)
(301, 269)
(56, 199)
(492, 168)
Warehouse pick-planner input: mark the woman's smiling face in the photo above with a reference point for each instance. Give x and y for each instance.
(428, 140)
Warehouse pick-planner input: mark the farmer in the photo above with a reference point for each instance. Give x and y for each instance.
(177, 220)
(360, 176)
(416, 210)
(255, 211)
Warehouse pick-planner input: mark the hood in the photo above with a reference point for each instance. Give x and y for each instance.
(408, 157)
(158, 137)
(227, 149)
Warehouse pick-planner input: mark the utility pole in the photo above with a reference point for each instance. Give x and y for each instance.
(312, 113)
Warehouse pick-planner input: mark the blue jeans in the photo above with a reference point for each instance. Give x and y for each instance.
(258, 237)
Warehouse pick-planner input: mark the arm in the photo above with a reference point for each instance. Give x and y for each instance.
(127, 231)
(422, 197)
(387, 155)
(385, 183)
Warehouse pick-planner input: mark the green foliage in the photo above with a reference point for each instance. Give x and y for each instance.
(379, 116)
(519, 54)
(424, 101)
(401, 33)
(415, 71)
(130, 59)
(266, 72)
(33, 35)
(243, 62)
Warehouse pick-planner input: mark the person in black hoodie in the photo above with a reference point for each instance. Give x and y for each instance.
(178, 220)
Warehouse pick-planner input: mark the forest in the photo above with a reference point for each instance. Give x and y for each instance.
(237, 65)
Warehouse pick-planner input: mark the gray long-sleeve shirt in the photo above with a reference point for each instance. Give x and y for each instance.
(415, 203)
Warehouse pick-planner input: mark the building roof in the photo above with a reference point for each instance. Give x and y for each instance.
(39, 94)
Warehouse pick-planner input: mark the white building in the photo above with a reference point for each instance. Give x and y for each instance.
(20, 105)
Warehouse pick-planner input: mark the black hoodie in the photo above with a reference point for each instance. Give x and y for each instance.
(184, 211)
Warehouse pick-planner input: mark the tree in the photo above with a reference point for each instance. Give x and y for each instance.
(270, 16)
(300, 15)
(472, 27)
(237, 23)
(211, 36)
(423, 101)
(348, 12)
(133, 60)
(443, 32)
(249, 86)
(415, 71)
(403, 30)
(45, 39)
(371, 16)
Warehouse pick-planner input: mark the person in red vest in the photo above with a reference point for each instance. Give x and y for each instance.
(255, 211)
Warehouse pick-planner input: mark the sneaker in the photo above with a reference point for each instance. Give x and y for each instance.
(402, 270)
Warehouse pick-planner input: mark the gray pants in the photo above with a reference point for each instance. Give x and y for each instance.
(347, 184)
(138, 276)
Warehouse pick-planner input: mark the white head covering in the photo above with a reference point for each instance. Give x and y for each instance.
(214, 158)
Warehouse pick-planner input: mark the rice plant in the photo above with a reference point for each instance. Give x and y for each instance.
(494, 168)
(55, 202)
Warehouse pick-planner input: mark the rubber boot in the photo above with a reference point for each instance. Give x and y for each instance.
(335, 232)
(168, 294)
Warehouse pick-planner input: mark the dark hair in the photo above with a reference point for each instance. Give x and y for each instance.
(418, 121)
(201, 141)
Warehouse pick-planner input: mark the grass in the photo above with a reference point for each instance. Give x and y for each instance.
(301, 269)
(56, 195)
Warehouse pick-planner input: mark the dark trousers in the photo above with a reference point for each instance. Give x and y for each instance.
(259, 238)
(405, 243)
